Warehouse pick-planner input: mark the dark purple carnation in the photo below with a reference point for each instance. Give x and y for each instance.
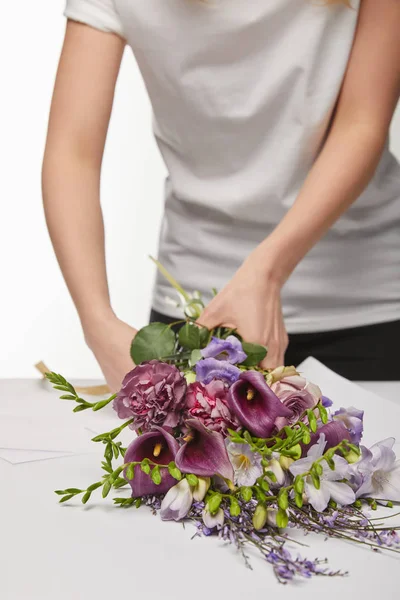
(153, 393)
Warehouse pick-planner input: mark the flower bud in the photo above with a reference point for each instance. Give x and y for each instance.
(201, 488)
(260, 517)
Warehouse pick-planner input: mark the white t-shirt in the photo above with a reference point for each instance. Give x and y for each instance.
(243, 93)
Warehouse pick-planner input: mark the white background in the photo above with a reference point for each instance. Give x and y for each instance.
(37, 318)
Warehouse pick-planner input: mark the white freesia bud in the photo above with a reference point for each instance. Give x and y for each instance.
(271, 517)
(201, 488)
(177, 502)
(275, 467)
(285, 462)
(216, 520)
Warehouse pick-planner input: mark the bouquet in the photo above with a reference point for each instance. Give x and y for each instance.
(245, 454)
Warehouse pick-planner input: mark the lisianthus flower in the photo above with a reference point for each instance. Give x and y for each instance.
(352, 418)
(229, 350)
(298, 395)
(203, 452)
(378, 472)
(212, 368)
(255, 404)
(153, 393)
(331, 486)
(160, 447)
(209, 404)
(246, 464)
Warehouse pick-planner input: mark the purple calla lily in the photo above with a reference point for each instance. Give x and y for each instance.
(160, 447)
(204, 453)
(334, 432)
(255, 404)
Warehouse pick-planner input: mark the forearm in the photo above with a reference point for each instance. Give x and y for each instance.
(339, 175)
(72, 207)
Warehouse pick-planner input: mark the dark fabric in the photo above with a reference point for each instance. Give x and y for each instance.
(368, 353)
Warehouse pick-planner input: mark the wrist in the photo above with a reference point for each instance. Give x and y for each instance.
(95, 317)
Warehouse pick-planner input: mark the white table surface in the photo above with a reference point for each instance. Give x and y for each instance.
(97, 552)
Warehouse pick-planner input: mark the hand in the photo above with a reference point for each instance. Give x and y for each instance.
(110, 341)
(251, 303)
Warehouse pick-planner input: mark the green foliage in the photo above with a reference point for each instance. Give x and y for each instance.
(282, 518)
(155, 341)
(192, 479)
(255, 354)
(246, 493)
(174, 471)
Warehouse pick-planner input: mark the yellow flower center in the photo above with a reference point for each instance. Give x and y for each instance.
(157, 449)
(250, 394)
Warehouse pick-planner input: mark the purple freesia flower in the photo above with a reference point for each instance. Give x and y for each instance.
(378, 472)
(229, 350)
(352, 418)
(153, 393)
(327, 402)
(255, 404)
(331, 485)
(211, 368)
(160, 447)
(204, 453)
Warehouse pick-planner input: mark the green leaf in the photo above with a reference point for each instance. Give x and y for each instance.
(312, 421)
(214, 503)
(204, 336)
(246, 493)
(298, 498)
(174, 471)
(154, 341)
(255, 354)
(94, 486)
(144, 465)
(306, 438)
(283, 500)
(156, 475)
(73, 491)
(66, 498)
(80, 408)
(86, 497)
(189, 336)
(106, 488)
(100, 405)
(264, 485)
(235, 509)
(130, 472)
(108, 454)
(323, 413)
(192, 479)
(316, 480)
(282, 519)
(195, 357)
(67, 397)
(299, 484)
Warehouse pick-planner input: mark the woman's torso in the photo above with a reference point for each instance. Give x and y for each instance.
(243, 95)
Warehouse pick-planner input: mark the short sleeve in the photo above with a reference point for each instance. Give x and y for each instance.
(100, 14)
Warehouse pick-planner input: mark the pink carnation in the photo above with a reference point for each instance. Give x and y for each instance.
(153, 393)
(209, 404)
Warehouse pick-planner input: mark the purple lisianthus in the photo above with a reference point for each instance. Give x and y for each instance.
(229, 350)
(352, 418)
(153, 393)
(212, 368)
